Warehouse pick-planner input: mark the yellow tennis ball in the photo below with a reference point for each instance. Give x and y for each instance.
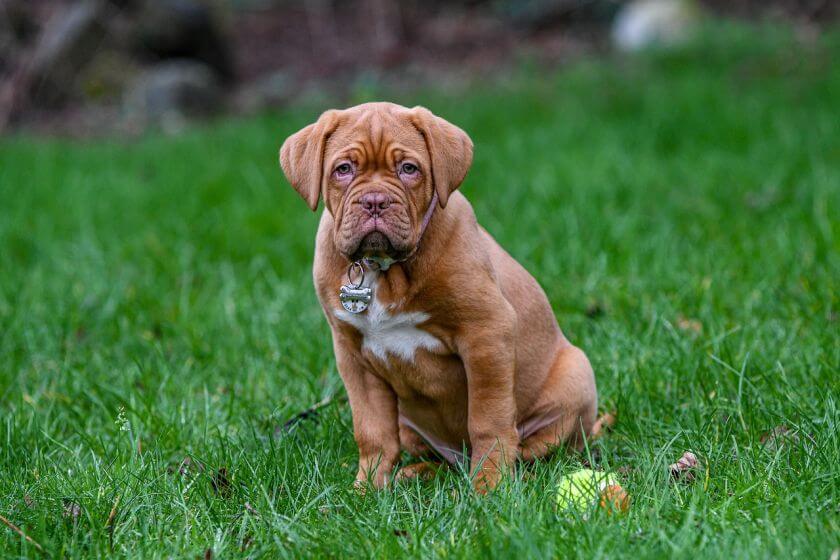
(583, 489)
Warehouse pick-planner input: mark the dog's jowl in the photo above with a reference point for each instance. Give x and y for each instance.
(447, 347)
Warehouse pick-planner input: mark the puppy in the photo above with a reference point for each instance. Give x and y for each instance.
(444, 342)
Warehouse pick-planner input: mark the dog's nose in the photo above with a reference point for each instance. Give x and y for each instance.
(375, 202)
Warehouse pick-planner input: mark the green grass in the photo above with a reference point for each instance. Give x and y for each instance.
(156, 304)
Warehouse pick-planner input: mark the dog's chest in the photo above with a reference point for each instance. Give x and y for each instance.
(386, 333)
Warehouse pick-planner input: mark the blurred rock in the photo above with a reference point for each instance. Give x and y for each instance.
(172, 92)
(537, 14)
(107, 75)
(66, 44)
(182, 29)
(272, 90)
(16, 26)
(645, 23)
(8, 47)
(18, 19)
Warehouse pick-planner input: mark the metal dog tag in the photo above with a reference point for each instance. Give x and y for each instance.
(354, 297)
(354, 300)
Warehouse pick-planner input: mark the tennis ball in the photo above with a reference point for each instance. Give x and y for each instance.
(584, 488)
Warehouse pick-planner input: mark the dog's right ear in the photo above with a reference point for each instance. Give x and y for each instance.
(302, 157)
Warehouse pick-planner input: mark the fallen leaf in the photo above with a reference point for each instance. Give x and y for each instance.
(614, 499)
(208, 554)
(684, 468)
(595, 456)
(247, 542)
(72, 510)
(27, 499)
(778, 436)
(185, 467)
(20, 532)
(595, 310)
(221, 482)
(686, 324)
(113, 513)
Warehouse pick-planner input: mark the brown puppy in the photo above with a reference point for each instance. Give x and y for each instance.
(458, 348)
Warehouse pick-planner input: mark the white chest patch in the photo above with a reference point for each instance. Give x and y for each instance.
(385, 333)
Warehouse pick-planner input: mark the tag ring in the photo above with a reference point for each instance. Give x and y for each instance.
(356, 266)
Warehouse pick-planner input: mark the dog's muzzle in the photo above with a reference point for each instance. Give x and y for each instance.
(375, 243)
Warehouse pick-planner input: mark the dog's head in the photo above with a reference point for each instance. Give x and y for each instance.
(377, 167)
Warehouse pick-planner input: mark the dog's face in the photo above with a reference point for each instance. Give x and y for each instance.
(377, 167)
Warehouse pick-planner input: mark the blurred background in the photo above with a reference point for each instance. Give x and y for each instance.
(90, 67)
(159, 328)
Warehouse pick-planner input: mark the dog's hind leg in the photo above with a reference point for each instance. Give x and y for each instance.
(411, 442)
(570, 394)
(414, 445)
(423, 470)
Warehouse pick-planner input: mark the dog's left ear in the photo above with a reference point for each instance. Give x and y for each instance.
(302, 157)
(450, 150)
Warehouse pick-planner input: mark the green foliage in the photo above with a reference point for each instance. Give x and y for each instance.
(680, 209)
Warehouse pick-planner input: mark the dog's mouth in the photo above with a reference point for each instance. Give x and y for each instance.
(375, 245)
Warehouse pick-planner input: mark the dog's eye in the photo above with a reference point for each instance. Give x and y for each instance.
(408, 168)
(344, 169)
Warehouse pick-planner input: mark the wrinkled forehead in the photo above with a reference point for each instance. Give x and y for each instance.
(375, 136)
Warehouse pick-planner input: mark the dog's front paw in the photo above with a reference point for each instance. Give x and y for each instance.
(486, 480)
(377, 480)
(490, 466)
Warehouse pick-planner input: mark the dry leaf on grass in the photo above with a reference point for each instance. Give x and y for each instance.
(777, 437)
(185, 467)
(593, 460)
(614, 499)
(221, 483)
(247, 542)
(684, 468)
(686, 324)
(72, 510)
(113, 514)
(594, 310)
(20, 532)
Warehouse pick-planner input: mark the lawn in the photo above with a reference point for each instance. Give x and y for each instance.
(158, 324)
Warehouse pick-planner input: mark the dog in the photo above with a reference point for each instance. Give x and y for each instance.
(446, 345)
